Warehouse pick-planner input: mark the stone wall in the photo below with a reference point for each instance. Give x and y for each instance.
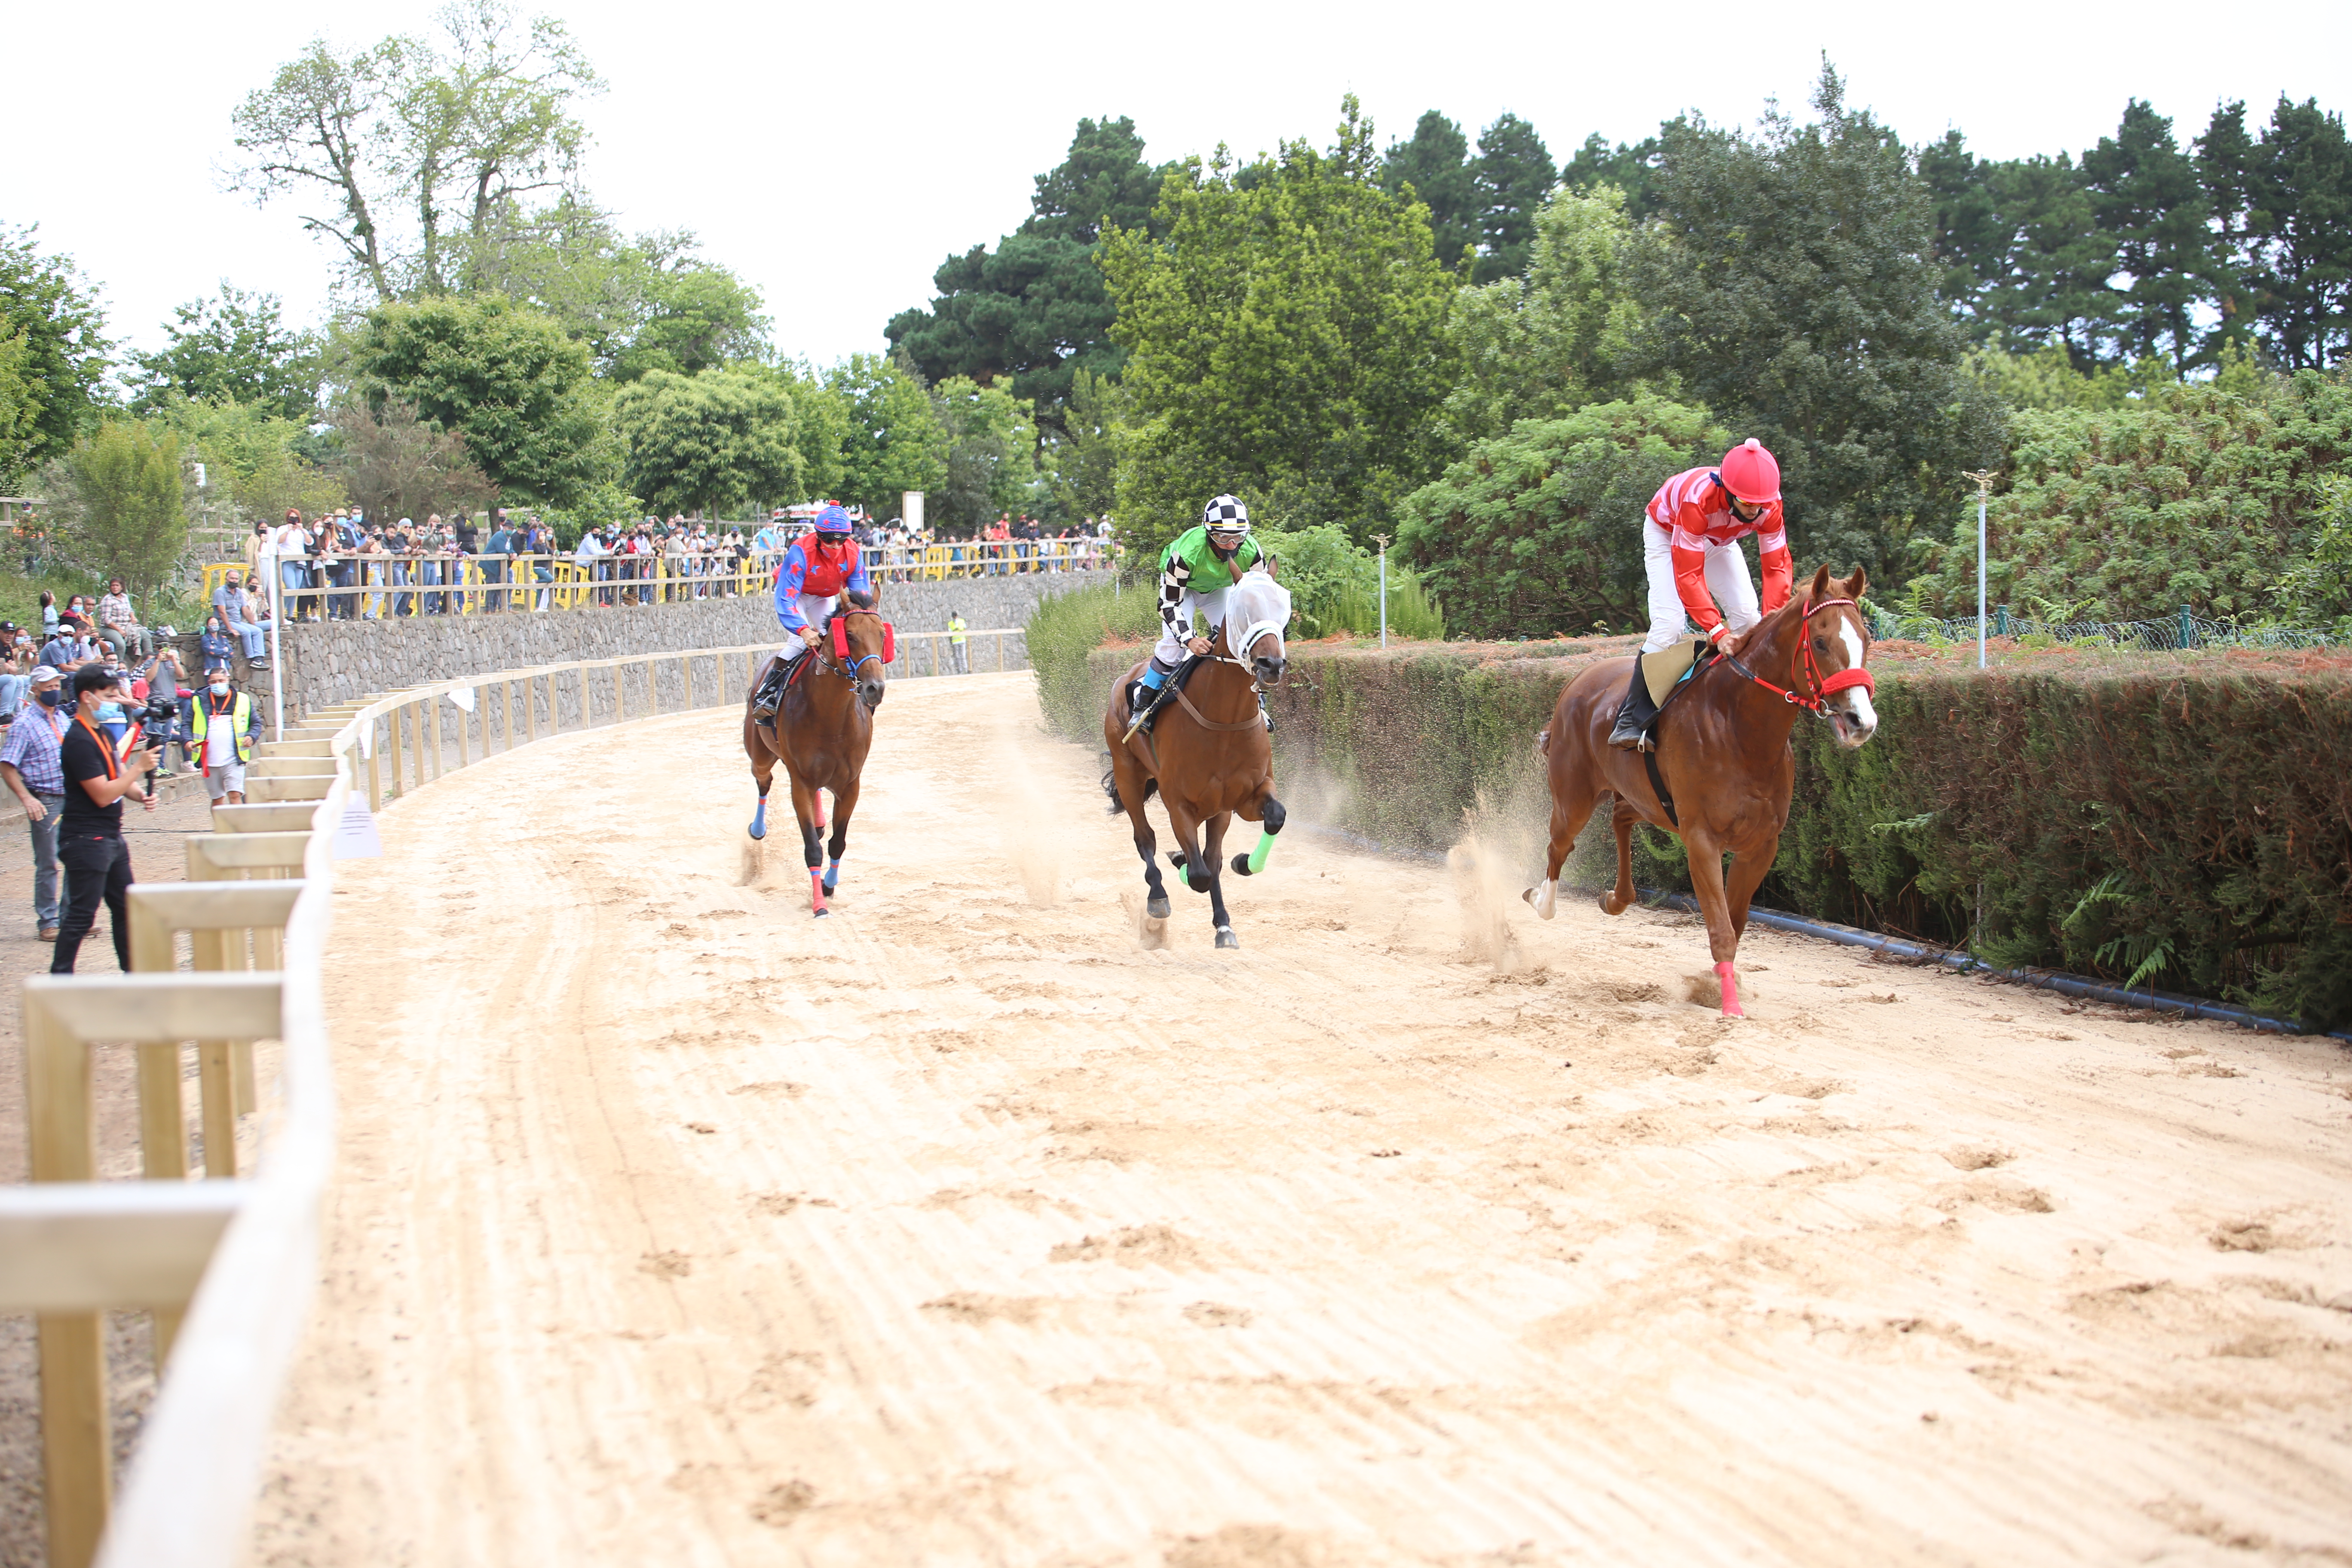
(332, 661)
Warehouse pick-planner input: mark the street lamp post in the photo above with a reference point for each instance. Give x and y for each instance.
(1384, 587)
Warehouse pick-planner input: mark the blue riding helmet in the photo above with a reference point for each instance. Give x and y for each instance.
(832, 520)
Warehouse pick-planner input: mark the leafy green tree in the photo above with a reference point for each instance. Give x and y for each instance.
(1514, 177)
(1034, 311)
(1792, 290)
(992, 454)
(127, 515)
(1436, 164)
(1085, 459)
(712, 442)
(696, 318)
(2145, 192)
(893, 442)
(52, 315)
(820, 430)
(1536, 346)
(2317, 591)
(1539, 530)
(254, 457)
(397, 465)
(1287, 339)
(234, 349)
(417, 159)
(509, 380)
(1631, 167)
(2302, 250)
(2188, 495)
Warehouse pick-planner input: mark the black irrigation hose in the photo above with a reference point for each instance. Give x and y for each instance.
(1894, 947)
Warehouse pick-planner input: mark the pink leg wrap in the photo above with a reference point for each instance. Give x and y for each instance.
(816, 890)
(816, 808)
(1730, 989)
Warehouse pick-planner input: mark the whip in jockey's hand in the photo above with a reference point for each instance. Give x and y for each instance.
(1195, 570)
(1691, 548)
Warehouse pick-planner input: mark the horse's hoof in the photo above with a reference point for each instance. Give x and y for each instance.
(1157, 908)
(758, 832)
(829, 887)
(1225, 938)
(1241, 866)
(822, 914)
(1734, 1011)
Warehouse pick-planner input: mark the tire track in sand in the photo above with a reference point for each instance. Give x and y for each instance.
(675, 1225)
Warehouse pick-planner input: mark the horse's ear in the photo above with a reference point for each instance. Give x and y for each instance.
(1857, 585)
(1273, 567)
(1819, 589)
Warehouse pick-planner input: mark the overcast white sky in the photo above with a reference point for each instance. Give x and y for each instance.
(833, 154)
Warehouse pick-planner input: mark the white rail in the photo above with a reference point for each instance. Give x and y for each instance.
(238, 1254)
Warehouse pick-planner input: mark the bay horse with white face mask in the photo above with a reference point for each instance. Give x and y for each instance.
(823, 724)
(1207, 754)
(1722, 756)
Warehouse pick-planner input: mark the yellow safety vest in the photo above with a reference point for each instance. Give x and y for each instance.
(955, 628)
(240, 718)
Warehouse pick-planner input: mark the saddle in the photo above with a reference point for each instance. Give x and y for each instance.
(1666, 673)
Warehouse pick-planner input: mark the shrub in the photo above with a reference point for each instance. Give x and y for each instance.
(2192, 496)
(1539, 532)
(1062, 632)
(126, 515)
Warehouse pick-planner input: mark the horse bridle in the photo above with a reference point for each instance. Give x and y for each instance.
(1816, 701)
(1249, 641)
(824, 649)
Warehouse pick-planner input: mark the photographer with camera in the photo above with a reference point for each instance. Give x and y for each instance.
(226, 728)
(90, 829)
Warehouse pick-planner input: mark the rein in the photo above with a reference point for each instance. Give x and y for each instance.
(1823, 687)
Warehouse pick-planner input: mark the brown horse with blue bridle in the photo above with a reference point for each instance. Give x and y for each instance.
(823, 724)
(1721, 770)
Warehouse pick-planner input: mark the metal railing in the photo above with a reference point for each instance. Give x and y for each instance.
(373, 588)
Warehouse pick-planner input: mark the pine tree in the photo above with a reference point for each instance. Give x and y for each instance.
(2145, 193)
(1514, 176)
(1436, 164)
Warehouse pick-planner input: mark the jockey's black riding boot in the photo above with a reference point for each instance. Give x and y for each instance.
(772, 690)
(1146, 693)
(1634, 715)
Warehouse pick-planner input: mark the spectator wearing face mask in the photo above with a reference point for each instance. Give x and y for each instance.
(97, 779)
(29, 766)
(226, 728)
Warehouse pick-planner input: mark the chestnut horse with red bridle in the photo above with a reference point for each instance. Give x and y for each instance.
(823, 724)
(1722, 755)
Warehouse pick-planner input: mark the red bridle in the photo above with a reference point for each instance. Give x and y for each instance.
(1824, 687)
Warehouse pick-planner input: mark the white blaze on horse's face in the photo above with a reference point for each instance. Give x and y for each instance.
(1858, 708)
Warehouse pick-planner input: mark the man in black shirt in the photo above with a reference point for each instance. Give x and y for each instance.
(90, 828)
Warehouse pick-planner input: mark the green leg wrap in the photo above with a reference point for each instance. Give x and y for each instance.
(1257, 856)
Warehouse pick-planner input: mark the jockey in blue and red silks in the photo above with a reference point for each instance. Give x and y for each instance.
(823, 565)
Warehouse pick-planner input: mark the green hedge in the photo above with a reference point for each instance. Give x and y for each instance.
(2179, 822)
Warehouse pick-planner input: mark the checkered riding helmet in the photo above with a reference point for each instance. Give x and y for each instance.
(1226, 515)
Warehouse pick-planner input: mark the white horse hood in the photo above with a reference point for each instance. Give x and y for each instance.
(1254, 606)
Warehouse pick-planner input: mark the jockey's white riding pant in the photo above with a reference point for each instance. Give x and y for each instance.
(1727, 579)
(1204, 611)
(817, 609)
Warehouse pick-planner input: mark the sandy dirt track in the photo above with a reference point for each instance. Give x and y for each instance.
(674, 1226)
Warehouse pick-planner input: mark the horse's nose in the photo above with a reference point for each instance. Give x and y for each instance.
(872, 691)
(1269, 670)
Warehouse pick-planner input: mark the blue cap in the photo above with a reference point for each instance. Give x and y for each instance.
(832, 520)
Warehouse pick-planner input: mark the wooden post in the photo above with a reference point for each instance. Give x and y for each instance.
(530, 708)
(686, 669)
(465, 740)
(999, 653)
(375, 789)
(620, 693)
(77, 1457)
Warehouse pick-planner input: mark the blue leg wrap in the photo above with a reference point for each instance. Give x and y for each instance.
(759, 819)
(831, 875)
